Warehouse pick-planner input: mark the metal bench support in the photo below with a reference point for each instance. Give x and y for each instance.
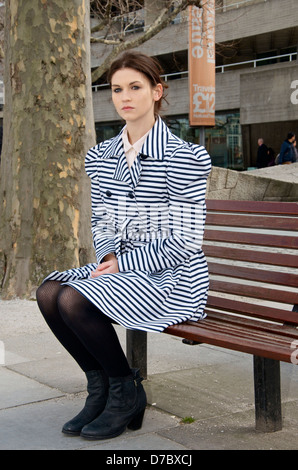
(136, 350)
(267, 394)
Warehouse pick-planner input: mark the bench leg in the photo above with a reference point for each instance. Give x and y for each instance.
(267, 394)
(136, 350)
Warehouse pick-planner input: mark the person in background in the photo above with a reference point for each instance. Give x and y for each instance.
(287, 152)
(295, 150)
(262, 155)
(271, 156)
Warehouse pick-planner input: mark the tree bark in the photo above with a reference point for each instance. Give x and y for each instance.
(48, 127)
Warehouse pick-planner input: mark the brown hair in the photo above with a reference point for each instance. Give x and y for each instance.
(143, 63)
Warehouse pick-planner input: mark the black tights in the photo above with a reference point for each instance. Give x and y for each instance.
(86, 333)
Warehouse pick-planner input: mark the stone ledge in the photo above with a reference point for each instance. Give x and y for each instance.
(277, 183)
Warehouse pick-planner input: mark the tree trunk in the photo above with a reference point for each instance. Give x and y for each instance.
(48, 127)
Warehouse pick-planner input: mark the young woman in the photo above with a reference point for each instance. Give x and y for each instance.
(148, 213)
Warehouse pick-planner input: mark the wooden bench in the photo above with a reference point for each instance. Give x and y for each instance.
(252, 306)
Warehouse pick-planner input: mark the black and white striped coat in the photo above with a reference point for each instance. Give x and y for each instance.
(152, 216)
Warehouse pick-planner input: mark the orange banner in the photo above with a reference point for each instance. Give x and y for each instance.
(202, 64)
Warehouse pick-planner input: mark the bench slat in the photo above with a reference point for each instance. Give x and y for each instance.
(252, 238)
(262, 222)
(263, 257)
(246, 340)
(253, 274)
(253, 207)
(249, 309)
(280, 330)
(257, 292)
(252, 333)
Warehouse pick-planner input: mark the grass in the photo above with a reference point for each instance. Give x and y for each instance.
(187, 420)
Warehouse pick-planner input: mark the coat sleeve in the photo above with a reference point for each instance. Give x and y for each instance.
(187, 174)
(282, 152)
(102, 229)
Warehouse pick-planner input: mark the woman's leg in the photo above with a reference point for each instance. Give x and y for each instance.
(126, 402)
(74, 307)
(94, 331)
(47, 296)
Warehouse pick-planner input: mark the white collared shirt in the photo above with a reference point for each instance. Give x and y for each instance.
(131, 151)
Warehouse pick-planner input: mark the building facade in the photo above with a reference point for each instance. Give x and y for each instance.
(256, 78)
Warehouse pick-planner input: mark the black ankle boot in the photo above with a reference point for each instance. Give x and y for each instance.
(97, 387)
(125, 408)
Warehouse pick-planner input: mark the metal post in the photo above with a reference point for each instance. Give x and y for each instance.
(136, 350)
(202, 136)
(267, 394)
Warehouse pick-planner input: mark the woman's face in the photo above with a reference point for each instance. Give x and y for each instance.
(133, 96)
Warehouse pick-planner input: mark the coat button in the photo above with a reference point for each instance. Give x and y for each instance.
(143, 157)
(130, 194)
(108, 193)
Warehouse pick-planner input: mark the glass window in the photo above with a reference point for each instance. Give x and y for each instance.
(107, 131)
(266, 61)
(288, 50)
(223, 141)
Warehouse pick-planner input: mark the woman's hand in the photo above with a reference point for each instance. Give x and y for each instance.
(109, 266)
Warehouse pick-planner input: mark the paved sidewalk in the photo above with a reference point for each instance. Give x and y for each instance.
(41, 387)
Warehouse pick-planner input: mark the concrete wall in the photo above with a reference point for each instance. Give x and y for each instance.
(267, 95)
(278, 183)
(254, 19)
(263, 94)
(227, 90)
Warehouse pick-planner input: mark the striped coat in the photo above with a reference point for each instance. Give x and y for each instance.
(152, 217)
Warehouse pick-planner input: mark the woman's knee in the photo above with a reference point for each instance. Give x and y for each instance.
(40, 294)
(70, 305)
(47, 293)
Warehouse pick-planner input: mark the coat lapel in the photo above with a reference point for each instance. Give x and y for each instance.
(135, 171)
(154, 147)
(122, 172)
(156, 142)
(115, 150)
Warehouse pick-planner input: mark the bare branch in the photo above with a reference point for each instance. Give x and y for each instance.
(165, 17)
(108, 42)
(113, 11)
(104, 23)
